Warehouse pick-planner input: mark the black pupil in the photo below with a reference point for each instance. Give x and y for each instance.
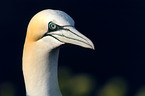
(53, 26)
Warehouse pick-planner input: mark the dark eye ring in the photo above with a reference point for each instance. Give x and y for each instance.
(52, 26)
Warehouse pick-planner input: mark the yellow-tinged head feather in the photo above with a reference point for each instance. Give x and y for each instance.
(38, 25)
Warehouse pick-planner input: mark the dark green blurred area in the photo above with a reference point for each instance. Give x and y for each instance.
(80, 85)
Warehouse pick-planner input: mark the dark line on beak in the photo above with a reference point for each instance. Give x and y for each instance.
(71, 38)
(77, 35)
(55, 38)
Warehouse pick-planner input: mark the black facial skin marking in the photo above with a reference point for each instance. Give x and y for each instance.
(56, 29)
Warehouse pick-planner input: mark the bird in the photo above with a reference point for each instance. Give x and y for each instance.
(47, 31)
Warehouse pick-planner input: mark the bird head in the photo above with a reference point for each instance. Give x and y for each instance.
(57, 28)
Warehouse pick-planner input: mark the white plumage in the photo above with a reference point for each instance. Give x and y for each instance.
(46, 31)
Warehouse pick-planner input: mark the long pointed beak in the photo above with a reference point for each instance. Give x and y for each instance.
(72, 36)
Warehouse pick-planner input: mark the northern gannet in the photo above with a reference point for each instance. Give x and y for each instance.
(46, 32)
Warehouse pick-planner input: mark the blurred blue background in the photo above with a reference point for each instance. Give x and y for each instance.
(115, 68)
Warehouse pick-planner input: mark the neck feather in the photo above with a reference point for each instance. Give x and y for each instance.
(40, 72)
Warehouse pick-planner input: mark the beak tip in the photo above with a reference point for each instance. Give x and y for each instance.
(93, 47)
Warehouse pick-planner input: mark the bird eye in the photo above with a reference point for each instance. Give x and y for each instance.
(52, 26)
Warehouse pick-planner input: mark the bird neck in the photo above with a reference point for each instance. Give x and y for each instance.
(40, 72)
